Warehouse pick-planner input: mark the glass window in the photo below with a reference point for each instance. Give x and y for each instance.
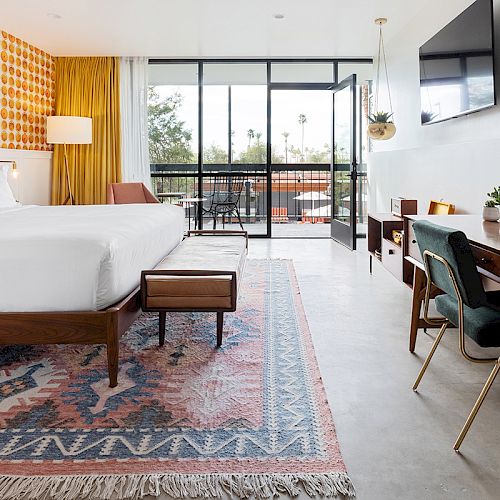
(173, 116)
(364, 77)
(234, 74)
(302, 72)
(173, 74)
(249, 124)
(215, 124)
(301, 126)
(234, 95)
(363, 72)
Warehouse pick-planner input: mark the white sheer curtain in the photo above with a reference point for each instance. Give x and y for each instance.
(134, 119)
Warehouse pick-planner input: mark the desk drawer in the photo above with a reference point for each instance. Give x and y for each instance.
(486, 259)
(413, 250)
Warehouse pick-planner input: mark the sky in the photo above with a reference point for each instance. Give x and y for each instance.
(249, 112)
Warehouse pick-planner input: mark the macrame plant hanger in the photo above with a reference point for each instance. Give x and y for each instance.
(381, 125)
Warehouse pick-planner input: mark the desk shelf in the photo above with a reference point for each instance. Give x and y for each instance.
(380, 227)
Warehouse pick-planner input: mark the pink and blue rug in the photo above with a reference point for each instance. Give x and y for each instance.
(187, 419)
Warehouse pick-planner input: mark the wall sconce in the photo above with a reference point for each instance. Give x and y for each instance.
(15, 173)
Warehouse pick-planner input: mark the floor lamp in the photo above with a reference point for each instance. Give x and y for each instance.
(69, 130)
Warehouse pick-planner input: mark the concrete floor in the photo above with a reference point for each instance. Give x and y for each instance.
(397, 444)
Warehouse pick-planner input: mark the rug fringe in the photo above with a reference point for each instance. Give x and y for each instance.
(137, 486)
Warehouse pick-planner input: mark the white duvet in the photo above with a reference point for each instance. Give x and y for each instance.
(80, 258)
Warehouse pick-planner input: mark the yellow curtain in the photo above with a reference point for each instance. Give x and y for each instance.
(88, 86)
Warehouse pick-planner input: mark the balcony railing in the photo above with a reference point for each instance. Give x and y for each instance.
(300, 193)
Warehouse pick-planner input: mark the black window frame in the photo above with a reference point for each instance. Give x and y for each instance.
(201, 174)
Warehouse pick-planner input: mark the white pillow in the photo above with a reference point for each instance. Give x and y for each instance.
(7, 199)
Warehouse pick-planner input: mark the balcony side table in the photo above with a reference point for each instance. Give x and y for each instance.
(188, 203)
(176, 194)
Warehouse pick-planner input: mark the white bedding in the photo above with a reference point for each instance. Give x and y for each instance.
(80, 258)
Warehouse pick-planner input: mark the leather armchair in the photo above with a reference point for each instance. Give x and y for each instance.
(129, 192)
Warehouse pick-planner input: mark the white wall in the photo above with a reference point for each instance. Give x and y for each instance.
(456, 160)
(33, 184)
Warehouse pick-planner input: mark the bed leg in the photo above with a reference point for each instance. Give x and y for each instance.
(113, 347)
(161, 322)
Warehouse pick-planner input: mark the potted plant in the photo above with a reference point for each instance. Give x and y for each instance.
(490, 209)
(381, 126)
(427, 116)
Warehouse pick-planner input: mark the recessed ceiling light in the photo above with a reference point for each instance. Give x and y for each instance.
(53, 15)
(279, 16)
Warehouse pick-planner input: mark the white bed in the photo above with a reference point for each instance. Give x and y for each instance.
(80, 258)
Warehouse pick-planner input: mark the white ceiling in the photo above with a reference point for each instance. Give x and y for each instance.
(205, 28)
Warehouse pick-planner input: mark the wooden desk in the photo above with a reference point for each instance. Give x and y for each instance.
(484, 239)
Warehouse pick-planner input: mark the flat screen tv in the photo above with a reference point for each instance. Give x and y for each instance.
(457, 66)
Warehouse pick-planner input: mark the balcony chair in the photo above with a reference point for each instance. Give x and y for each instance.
(129, 192)
(224, 199)
(450, 266)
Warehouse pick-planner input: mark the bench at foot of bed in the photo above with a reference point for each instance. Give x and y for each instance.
(201, 274)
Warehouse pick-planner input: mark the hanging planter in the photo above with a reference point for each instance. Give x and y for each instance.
(381, 126)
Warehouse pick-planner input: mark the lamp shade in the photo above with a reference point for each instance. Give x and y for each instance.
(69, 130)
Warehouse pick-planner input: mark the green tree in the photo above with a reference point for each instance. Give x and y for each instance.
(250, 135)
(296, 154)
(340, 155)
(214, 154)
(169, 138)
(256, 153)
(318, 156)
(286, 135)
(302, 122)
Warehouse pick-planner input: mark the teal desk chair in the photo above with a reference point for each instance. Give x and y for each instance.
(450, 266)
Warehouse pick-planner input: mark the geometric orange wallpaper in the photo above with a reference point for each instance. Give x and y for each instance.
(27, 94)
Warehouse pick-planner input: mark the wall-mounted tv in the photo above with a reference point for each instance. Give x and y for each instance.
(457, 66)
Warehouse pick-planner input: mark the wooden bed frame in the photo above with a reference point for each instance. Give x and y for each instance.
(85, 327)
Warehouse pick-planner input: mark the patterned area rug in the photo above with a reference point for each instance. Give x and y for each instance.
(188, 420)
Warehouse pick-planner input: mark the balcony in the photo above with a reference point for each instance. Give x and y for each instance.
(300, 196)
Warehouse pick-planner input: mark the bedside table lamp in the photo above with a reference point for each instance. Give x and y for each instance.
(69, 130)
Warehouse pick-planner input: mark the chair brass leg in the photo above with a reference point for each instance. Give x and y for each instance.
(431, 353)
(419, 283)
(477, 405)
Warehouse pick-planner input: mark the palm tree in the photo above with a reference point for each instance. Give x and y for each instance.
(250, 135)
(302, 122)
(258, 135)
(295, 152)
(285, 135)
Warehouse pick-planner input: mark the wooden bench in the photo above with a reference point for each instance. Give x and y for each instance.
(202, 274)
